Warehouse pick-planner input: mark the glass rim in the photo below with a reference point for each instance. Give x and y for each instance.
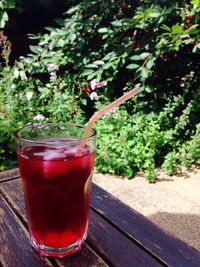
(76, 141)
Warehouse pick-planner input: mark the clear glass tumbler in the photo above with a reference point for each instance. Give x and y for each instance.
(56, 167)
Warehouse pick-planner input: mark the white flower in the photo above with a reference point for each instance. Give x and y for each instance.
(39, 117)
(101, 84)
(191, 73)
(23, 75)
(16, 73)
(29, 95)
(94, 96)
(95, 84)
(52, 75)
(52, 67)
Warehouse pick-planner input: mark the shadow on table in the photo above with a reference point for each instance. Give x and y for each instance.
(183, 226)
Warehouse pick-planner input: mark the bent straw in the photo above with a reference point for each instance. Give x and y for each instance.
(106, 109)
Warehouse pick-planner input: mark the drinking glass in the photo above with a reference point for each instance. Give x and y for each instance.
(56, 167)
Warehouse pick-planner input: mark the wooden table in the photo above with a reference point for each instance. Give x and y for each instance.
(117, 236)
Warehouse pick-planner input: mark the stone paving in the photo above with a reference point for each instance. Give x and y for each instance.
(173, 202)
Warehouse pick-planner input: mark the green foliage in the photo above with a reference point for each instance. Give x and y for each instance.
(127, 143)
(98, 51)
(5, 5)
(187, 154)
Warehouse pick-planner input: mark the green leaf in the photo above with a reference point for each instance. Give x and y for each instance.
(109, 56)
(155, 14)
(72, 37)
(87, 72)
(50, 29)
(7, 4)
(99, 74)
(195, 3)
(3, 19)
(116, 23)
(150, 63)
(132, 66)
(177, 29)
(196, 47)
(148, 89)
(108, 65)
(61, 42)
(34, 49)
(99, 62)
(84, 102)
(145, 72)
(29, 95)
(144, 55)
(92, 66)
(136, 57)
(192, 30)
(73, 10)
(103, 30)
(92, 75)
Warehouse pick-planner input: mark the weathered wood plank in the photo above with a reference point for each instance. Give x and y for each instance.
(86, 257)
(9, 174)
(113, 244)
(171, 250)
(15, 250)
(13, 192)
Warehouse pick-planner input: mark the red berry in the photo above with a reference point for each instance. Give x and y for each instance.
(175, 55)
(84, 89)
(190, 25)
(163, 58)
(89, 90)
(188, 16)
(77, 102)
(134, 44)
(72, 112)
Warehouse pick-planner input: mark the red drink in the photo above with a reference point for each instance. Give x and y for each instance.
(57, 185)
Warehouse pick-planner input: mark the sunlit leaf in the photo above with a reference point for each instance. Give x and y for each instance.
(132, 66)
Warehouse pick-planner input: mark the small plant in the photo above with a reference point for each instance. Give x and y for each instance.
(127, 143)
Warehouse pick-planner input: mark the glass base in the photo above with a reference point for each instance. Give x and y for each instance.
(58, 252)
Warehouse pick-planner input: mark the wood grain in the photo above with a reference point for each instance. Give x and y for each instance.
(9, 174)
(172, 251)
(13, 191)
(115, 246)
(15, 250)
(86, 257)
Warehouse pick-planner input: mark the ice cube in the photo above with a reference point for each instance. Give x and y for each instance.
(53, 154)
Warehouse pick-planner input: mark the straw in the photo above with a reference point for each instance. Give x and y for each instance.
(106, 109)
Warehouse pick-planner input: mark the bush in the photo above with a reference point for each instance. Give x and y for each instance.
(127, 144)
(98, 52)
